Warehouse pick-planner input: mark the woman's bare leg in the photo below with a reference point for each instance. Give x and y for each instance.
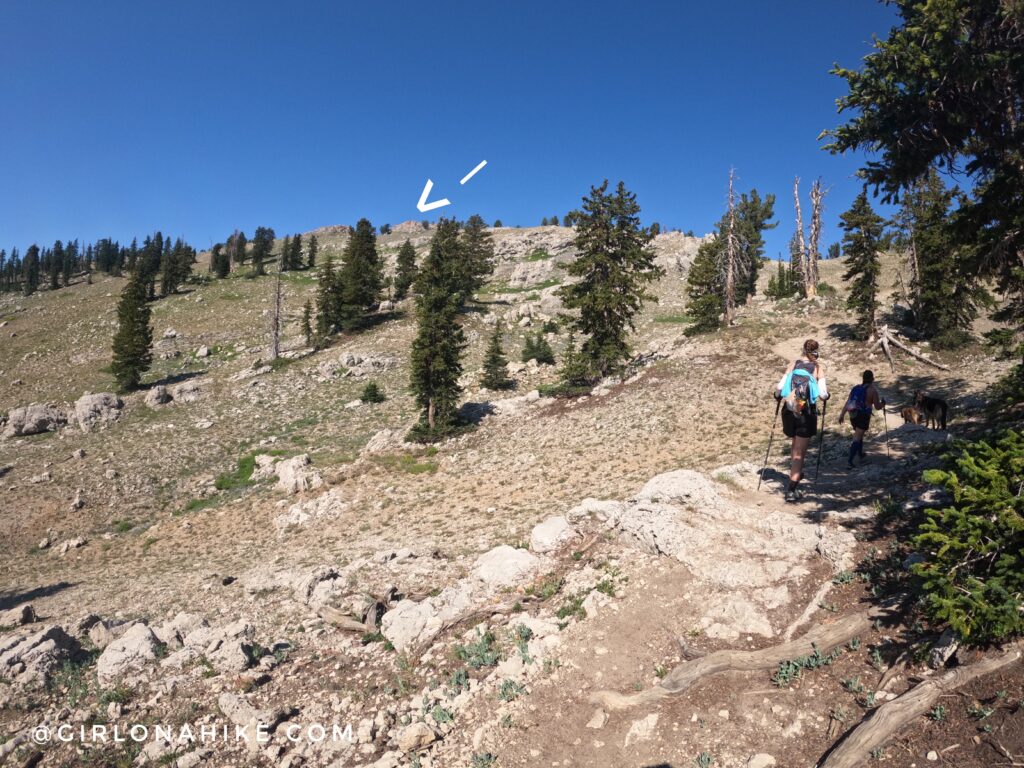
(797, 453)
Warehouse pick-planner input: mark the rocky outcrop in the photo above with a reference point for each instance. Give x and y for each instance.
(744, 560)
(157, 396)
(295, 474)
(551, 534)
(504, 566)
(33, 420)
(127, 655)
(97, 410)
(326, 506)
(28, 656)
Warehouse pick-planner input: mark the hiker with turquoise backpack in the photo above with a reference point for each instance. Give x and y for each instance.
(863, 398)
(799, 390)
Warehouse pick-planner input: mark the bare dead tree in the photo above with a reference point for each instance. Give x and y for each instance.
(730, 256)
(915, 275)
(803, 257)
(817, 198)
(275, 330)
(233, 249)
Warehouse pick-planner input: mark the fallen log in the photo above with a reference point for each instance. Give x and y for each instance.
(885, 339)
(878, 727)
(683, 676)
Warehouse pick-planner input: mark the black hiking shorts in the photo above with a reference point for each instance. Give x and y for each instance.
(802, 425)
(860, 420)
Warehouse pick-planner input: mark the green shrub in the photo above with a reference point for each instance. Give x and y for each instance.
(826, 290)
(953, 339)
(537, 348)
(972, 576)
(480, 653)
(371, 393)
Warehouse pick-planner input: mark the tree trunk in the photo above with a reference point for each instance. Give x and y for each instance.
(275, 331)
(730, 257)
(804, 260)
(430, 413)
(817, 196)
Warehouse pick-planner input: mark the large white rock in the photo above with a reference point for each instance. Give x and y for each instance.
(34, 419)
(415, 737)
(28, 655)
(551, 534)
(504, 566)
(157, 396)
(129, 653)
(295, 475)
(97, 409)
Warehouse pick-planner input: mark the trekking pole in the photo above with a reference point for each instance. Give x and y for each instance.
(821, 441)
(771, 436)
(885, 423)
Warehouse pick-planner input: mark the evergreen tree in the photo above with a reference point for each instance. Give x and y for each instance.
(554, 221)
(134, 337)
(262, 244)
(220, 262)
(313, 245)
(544, 221)
(69, 262)
(176, 267)
(575, 373)
(371, 393)
(436, 360)
(944, 90)
(361, 276)
(295, 258)
(833, 251)
(477, 260)
(862, 238)
(705, 289)
(56, 262)
(326, 300)
(147, 264)
(307, 323)
(498, 224)
(405, 271)
(30, 270)
(286, 254)
(946, 292)
(536, 347)
(706, 283)
(237, 247)
(613, 268)
(495, 374)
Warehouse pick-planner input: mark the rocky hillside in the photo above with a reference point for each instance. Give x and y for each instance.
(250, 545)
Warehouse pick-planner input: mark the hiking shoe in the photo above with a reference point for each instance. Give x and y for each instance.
(849, 466)
(798, 494)
(790, 496)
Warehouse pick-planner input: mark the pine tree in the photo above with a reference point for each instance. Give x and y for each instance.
(295, 258)
(237, 247)
(220, 262)
(56, 263)
(134, 337)
(495, 374)
(477, 260)
(68, 264)
(862, 239)
(544, 221)
(262, 243)
(833, 251)
(313, 246)
(945, 290)
(498, 224)
(371, 393)
(326, 300)
(705, 293)
(405, 270)
(30, 270)
(307, 323)
(536, 347)
(706, 281)
(613, 268)
(361, 276)
(575, 373)
(286, 254)
(436, 360)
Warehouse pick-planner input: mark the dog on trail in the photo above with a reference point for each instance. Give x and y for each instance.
(932, 408)
(910, 415)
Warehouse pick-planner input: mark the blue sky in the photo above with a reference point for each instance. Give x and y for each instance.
(121, 117)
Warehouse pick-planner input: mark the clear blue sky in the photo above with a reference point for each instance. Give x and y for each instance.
(120, 117)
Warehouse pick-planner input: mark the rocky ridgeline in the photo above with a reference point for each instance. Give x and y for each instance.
(465, 653)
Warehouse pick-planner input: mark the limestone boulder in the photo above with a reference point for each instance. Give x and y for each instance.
(33, 420)
(97, 410)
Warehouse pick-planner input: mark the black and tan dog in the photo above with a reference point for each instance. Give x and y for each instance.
(932, 409)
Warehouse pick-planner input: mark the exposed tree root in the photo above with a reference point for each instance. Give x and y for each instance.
(878, 727)
(824, 638)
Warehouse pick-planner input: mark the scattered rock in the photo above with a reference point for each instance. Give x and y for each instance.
(157, 395)
(761, 760)
(597, 721)
(551, 534)
(78, 501)
(16, 617)
(33, 420)
(78, 453)
(504, 566)
(128, 654)
(100, 409)
(28, 656)
(641, 730)
(203, 351)
(294, 474)
(186, 392)
(71, 544)
(415, 737)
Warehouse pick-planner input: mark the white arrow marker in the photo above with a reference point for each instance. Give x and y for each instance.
(472, 173)
(424, 206)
